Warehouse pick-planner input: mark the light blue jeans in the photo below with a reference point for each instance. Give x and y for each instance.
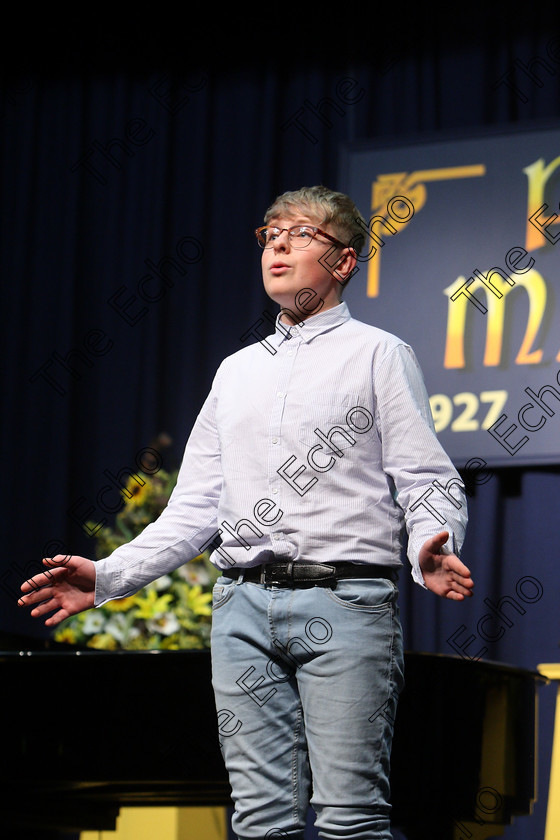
(306, 682)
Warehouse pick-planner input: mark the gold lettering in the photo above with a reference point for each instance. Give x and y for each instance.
(535, 286)
(538, 175)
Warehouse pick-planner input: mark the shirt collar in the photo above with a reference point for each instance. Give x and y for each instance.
(314, 325)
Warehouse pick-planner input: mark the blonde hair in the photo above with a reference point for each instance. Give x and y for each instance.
(326, 207)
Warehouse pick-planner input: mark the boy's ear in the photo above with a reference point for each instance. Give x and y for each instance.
(346, 266)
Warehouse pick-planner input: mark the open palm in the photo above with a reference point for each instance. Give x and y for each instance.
(66, 587)
(444, 574)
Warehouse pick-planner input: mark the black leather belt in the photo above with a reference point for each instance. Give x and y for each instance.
(296, 573)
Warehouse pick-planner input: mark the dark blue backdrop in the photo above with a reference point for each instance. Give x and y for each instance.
(136, 161)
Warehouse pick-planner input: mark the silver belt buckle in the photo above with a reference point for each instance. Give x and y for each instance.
(276, 580)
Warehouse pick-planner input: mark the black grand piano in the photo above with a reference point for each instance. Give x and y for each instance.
(87, 732)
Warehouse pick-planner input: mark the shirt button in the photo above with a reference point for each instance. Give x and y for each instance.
(280, 394)
(274, 440)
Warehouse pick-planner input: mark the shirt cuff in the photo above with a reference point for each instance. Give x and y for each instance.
(107, 585)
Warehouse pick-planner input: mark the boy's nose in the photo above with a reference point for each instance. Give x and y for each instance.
(282, 241)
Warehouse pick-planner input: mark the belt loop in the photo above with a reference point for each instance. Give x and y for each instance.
(239, 577)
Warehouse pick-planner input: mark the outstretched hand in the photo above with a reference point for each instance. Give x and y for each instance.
(444, 574)
(65, 588)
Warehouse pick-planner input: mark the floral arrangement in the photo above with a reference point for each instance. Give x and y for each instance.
(174, 612)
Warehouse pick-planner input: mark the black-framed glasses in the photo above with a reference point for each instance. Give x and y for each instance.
(299, 236)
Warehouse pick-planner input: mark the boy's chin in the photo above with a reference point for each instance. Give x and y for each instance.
(284, 299)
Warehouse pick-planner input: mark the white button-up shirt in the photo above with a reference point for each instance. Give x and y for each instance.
(315, 444)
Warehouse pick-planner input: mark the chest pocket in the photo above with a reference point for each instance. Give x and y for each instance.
(335, 425)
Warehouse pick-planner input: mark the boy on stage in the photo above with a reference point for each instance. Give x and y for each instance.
(313, 452)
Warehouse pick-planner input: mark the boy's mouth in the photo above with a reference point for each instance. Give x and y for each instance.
(278, 267)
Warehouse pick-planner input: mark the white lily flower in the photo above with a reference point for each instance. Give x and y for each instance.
(117, 626)
(94, 622)
(194, 574)
(165, 623)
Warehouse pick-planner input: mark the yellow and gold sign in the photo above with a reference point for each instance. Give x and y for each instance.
(462, 262)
